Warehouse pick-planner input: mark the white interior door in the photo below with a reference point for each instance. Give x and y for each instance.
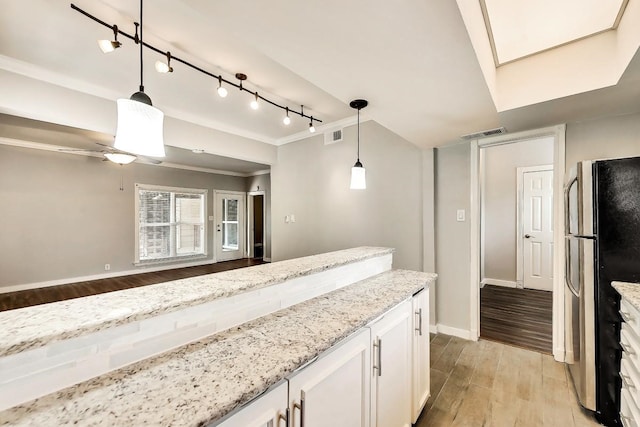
(537, 229)
(230, 225)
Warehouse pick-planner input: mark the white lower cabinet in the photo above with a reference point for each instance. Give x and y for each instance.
(377, 377)
(391, 358)
(268, 410)
(630, 365)
(335, 389)
(420, 375)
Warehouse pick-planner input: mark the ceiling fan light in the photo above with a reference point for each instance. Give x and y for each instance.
(120, 158)
(358, 177)
(139, 129)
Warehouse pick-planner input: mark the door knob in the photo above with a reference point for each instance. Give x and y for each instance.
(527, 236)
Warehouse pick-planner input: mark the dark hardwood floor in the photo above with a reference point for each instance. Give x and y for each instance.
(27, 298)
(520, 317)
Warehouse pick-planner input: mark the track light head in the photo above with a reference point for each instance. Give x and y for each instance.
(254, 104)
(286, 120)
(108, 46)
(222, 91)
(163, 68)
(312, 128)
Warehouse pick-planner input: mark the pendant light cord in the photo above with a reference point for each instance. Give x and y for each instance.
(141, 46)
(358, 135)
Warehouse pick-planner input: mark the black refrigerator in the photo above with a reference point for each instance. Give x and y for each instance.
(602, 245)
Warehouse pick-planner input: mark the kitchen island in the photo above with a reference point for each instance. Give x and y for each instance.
(201, 382)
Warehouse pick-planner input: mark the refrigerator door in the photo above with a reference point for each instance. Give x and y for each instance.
(578, 195)
(617, 224)
(579, 318)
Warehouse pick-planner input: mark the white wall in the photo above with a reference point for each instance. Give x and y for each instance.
(311, 181)
(452, 237)
(500, 201)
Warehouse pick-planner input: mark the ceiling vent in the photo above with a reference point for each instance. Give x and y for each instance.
(485, 133)
(332, 136)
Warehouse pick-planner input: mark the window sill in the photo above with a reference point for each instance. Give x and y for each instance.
(173, 260)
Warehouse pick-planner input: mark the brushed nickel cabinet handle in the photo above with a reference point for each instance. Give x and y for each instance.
(626, 379)
(377, 346)
(419, 328)
(627, 349)
(283, 417)
(627, 317)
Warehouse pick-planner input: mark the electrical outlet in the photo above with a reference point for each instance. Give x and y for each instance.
(107, 267)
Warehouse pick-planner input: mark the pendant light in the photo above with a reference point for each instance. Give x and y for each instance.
(358, 179)
(139, 129)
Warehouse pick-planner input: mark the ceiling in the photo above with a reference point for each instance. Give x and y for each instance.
(519, 29)
(415, 62)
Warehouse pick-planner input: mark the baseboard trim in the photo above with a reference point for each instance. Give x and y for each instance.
(448, 330)
(265, 259)
(498, 282)
(560, 356)
(57, 282)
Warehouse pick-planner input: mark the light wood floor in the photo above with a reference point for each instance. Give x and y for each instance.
(487, 383)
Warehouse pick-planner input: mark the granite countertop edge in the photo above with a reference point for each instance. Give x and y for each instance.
(122, 303)
(207, 382)
(629, 291)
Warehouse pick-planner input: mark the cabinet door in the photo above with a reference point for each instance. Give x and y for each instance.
(391, 384)
(420, 375)
(335, 389)
(268, 410)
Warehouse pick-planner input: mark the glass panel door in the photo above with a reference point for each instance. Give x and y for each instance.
(230, 232)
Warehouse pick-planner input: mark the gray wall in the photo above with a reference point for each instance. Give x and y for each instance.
(600, 138)
(452, 237)
(500, 201)
(263, 183)
(603, 138)
(64, 215)
(311, 181)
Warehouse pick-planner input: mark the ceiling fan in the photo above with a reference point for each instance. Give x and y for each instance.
(112, 154)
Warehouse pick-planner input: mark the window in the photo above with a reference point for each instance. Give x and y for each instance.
(170, 222)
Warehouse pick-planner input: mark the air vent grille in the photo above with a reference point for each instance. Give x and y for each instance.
(332, 136)
(485, 133)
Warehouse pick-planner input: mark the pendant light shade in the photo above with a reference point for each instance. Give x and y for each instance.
(358, 172)
(358, 177)
(139, 129)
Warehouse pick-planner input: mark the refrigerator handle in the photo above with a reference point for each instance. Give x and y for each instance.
(567, 214)
(567, 271)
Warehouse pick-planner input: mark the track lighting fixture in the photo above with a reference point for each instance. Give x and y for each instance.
(161, 67)
(222, 91)
(144, 103)
(358, 177)
(286, 120)
(110, 45)
(139, 129)
(254, 104)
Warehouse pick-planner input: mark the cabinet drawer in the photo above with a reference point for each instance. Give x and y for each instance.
(630, 344)
(630, 379)
(630, 315)
(629, 413)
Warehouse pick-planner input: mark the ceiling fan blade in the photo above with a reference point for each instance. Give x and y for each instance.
(77, 150)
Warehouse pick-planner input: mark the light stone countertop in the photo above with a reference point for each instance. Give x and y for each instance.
(629, 291)
(36, 326)
(203, 381)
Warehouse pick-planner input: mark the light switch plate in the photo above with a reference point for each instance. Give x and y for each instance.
(293, 218)
(460, 215)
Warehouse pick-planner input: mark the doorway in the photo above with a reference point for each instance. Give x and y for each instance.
(229, 216)
(257, 224)
(501, 251)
